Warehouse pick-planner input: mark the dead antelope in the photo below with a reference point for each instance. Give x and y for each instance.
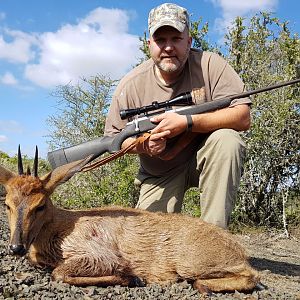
(118, 246)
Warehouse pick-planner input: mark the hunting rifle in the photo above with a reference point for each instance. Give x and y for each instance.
(143, 124)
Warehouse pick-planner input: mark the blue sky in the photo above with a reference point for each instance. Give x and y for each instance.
(44, 44)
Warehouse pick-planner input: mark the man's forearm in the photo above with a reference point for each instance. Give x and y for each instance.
(237, 118)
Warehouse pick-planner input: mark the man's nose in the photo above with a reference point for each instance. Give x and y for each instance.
(169, 46)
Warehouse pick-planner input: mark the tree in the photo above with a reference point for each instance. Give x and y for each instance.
(81, 111)
(81, 117)
(264, 54)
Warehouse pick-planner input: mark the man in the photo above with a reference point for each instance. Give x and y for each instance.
(213, 159)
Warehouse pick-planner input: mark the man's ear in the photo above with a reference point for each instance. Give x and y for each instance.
(149, 44)
(190, 41)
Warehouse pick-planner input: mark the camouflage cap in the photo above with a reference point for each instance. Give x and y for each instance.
(168, 14)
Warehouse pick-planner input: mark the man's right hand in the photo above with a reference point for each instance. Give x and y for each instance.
(155, 145)
(152, 146)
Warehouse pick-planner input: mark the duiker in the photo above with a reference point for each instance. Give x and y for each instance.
(110, 246)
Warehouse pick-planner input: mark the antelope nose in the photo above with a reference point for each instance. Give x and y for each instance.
(17, 249)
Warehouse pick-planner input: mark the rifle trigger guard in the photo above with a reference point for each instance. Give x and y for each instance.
(136, 123)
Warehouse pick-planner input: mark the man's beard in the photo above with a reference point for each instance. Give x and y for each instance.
(172, 65)
(168, 67)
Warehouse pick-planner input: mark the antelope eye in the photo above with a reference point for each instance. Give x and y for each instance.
(40, 208)
(7, 207)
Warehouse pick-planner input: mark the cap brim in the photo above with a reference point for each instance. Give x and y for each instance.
(178, 26)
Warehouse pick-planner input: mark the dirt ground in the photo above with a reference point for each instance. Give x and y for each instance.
(276, 257)
(278, 260)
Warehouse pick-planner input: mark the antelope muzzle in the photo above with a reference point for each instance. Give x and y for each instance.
(17, 249)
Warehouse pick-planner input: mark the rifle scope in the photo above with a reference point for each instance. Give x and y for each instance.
(181, 100)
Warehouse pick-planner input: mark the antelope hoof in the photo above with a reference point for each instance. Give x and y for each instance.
(136, 282)
(203, 289)
(260, 287)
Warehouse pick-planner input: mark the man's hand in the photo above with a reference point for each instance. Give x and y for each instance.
(155, 145)
(169, 125)
(169, 121)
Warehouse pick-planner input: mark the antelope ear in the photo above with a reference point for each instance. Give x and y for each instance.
(63, 173)
(5, 175)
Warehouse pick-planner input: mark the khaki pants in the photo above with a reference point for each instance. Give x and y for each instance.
(215, 168)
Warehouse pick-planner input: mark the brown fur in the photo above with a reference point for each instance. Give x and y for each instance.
(108, 246)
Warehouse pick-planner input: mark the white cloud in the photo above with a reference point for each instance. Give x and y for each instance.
(16, 46)
(99, 43)
(3, 138)
(233, 8)
(8, 79)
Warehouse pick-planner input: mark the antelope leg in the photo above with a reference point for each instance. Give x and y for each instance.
(75, 271)
(229, 284)
(103, 281)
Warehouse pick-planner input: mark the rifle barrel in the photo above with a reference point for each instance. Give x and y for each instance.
(264, 89)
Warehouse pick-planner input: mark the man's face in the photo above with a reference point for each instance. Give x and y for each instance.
(169, 48)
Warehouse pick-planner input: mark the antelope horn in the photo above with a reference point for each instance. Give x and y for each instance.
(28, 172)
(20, 164)
(35, 163)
